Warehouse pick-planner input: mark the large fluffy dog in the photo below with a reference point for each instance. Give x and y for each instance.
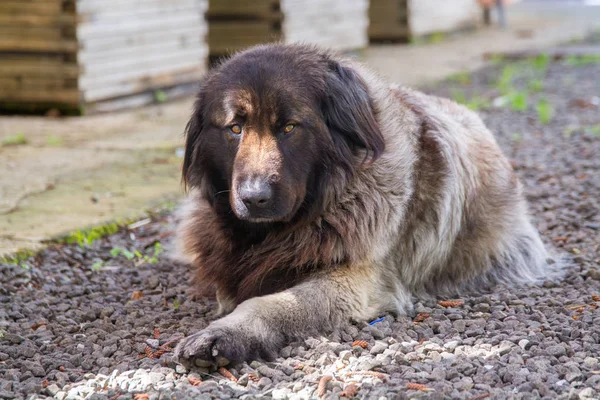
(320, 194)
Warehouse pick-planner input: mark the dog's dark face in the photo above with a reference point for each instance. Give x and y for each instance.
(270, 126)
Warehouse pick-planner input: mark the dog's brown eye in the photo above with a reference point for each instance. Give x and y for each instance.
(235, 129)
(289, 128)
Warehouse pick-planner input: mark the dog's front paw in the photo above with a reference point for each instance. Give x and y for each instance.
(219, 346)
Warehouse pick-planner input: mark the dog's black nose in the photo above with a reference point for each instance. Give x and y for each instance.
(256, 194)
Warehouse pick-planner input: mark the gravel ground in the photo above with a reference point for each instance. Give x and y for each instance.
(99, 321)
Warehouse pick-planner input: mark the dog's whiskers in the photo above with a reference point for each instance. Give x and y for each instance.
(221, 192)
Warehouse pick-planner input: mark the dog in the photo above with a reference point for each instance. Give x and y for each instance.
(320, 194)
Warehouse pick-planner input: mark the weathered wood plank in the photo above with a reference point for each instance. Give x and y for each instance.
(139, 64)
(137, 85)
(20, 20)
(25, 82)
(11, 66)
(337, 24)
(266, 9)
(37, 95)
(140, 99)
(164, 47)
(86, 31)
(184, 35)
(31, 33)
(120, 6)
(126, 15)
(19, 7)
(430, 16)
(92, 81)
(228, 36)
(66, 46)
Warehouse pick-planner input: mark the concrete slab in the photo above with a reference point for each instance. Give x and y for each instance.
(76, 172)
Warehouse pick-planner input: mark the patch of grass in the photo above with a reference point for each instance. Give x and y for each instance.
(14, 140)
(459, 96)
(464, 78)
(475, 103)
(544, 111)
(569, 131)
(518, 101)
(590, 130)
(516, 137)
(54, 141)
(160, 96)
(18, 258)
(86, 237)
(97, 266)
(540, 62)
(433, 38)
(176, 303)
(151, 257)
(536, 85)
(497, 59)
(507, 75)
(593, 130)
(115, 251)
(168, 205)
(585, 59)
(436, 37)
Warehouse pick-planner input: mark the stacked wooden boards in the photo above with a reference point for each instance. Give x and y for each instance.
(401, 20)
(237, 24)
(38, 48)
(76, 54)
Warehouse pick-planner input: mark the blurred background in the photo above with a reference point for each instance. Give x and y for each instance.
(94, 94)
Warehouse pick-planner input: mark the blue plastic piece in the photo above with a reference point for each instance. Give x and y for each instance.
(376, 321)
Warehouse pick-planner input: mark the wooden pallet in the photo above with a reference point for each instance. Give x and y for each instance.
(402, 20)
(73, 54)
(236, 24)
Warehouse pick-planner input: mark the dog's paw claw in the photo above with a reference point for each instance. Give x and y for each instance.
(197, 349)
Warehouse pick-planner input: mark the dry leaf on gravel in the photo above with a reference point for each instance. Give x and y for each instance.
(322, 388)
(451, 303)
(375, 374)
(253, 377)
(156, 333)
(577, 307)
(140, 396)
(350, 391)
(158, 353)
(136, 295)
(596, 297)
(417, 386)
(422, 317)
(148, 352)
(38, 325)
(194, 381)
(223, 371)
(361, 343)
(481, 396)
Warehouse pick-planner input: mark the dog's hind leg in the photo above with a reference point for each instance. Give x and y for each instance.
(260, 326)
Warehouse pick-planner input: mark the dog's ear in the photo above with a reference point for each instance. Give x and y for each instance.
(192, 134)
(348, 111)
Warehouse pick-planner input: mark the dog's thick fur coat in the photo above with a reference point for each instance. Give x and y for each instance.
(407, 195)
